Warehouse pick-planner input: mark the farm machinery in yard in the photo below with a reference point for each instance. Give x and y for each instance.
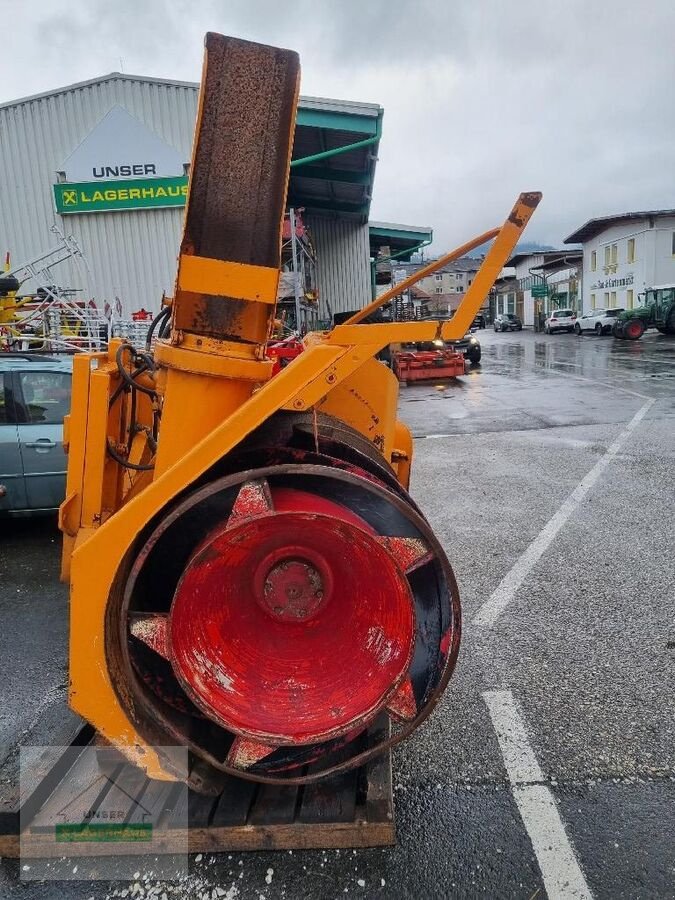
(250, 578)
(431, 360)
(658, 311)
(423, 363)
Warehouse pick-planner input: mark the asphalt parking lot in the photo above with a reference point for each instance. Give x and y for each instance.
(549, 766)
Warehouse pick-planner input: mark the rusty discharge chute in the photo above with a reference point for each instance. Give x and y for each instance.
(249, 576)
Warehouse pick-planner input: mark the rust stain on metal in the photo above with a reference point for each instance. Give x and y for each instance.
(217, 316)
(243, 146)
(531, 201)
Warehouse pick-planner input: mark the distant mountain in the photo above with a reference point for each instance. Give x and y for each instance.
(418, 259)
(522, 247)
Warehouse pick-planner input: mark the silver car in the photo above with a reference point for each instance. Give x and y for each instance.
(34, 398)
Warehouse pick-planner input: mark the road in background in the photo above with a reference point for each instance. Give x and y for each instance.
(583, 651)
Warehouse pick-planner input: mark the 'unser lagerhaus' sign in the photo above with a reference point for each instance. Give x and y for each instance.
(121, 165)
(136, 193)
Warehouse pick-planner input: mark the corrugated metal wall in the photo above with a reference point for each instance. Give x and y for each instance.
(343, 264)
(131, 255)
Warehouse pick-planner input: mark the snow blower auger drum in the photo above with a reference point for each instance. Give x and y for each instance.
(250, 578)
(275, 611)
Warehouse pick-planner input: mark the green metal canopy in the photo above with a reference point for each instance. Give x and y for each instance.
(334, 156)
(402, 240)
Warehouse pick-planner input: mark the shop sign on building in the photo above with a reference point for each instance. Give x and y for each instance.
(107, 196)
(120, 165)
(605, 283)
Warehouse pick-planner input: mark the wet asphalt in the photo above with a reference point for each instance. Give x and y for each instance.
(586, 646)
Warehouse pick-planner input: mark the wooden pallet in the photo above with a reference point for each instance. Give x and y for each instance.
(354, 809)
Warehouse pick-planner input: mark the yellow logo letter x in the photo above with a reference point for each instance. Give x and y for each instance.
(69, 198)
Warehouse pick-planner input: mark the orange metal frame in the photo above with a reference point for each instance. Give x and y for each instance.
(212, 393)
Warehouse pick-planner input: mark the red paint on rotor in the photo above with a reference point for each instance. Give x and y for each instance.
(294, 626)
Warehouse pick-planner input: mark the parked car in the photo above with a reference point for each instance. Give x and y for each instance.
(507, 322)
(469, 345)
(601, 321)
(560, 320)
(34, 398)
(479, 321)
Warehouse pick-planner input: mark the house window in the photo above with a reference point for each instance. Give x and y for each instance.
(438, 277)
(459, 288)
(630, 250)
(439, 289)
(629, 299)
(594, 260)
(606, 300)
(592, 301)
(615, 254)
(612, 300)
(608, 257)
(512, 303)
(673, 244)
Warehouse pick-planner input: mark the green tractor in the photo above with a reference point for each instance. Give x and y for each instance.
(658, 312)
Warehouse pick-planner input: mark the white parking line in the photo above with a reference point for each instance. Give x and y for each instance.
(506, 590)
(559, 866)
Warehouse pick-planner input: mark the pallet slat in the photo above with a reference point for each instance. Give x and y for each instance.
(354, 809)
(234, 803)
(129, 783)
(46, 772)
(379, 792)
(191, 808)
(77, 798)
(154, 804)
(274, 805)
(332, 800)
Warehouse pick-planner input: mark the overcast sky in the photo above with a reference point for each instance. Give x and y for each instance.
(482, 98)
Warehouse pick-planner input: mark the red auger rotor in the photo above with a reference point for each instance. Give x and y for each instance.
(277, 610)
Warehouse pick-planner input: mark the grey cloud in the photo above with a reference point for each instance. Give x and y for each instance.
(482, 98)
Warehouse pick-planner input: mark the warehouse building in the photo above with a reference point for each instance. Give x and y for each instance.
(106, 161)
(624, 255)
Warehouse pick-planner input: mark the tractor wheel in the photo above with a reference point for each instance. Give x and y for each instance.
(634, 329)
(670, 323)
(267, 619)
